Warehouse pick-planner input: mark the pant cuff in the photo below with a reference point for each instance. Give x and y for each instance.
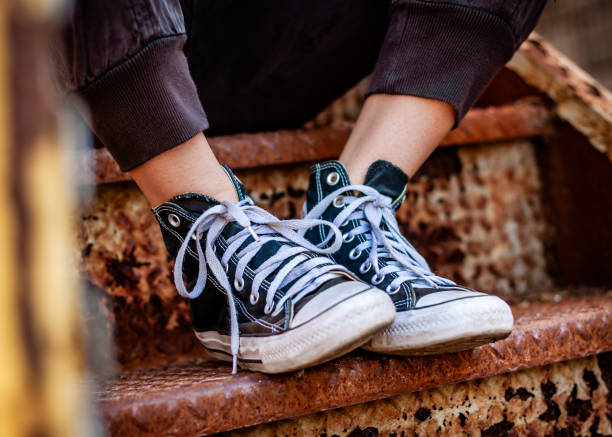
(441, 51)
(147, 104)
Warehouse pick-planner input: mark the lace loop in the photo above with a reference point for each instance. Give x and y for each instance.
(365, 267)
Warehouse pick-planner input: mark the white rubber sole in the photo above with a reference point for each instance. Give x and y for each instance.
(450, 327)
(331, 334)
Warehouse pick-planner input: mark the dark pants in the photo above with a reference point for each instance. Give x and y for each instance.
(261, 65)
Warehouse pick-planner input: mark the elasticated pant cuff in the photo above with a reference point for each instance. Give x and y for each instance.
(147, 104)
(441, 51)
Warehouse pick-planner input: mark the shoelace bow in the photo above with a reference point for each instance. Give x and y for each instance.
(262, 227)
(372, 209)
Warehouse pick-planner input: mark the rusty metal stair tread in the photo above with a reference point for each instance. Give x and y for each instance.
(205, 398)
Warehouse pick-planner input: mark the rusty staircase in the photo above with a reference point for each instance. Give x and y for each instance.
(517, 202)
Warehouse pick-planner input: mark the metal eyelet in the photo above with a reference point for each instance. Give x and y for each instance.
(332, 178)
(376, 279)
(344, 224)
(267, 309)
(174, 220)
(239, 284)
(226, 266)
(393, 290)
(338, 202)
(195, 238)
(254, 298)
(354, 254)
(347, 238)
(365, 267)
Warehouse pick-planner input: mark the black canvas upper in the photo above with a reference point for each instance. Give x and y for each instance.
(210, 311)
(387, 179)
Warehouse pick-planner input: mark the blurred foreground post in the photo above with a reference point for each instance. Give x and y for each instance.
(41, 366)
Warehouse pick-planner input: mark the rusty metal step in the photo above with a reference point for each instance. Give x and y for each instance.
(205, 398)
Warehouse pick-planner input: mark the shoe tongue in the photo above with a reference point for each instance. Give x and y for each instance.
(388, 179)
(194, 203)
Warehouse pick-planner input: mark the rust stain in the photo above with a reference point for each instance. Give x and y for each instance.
(122, 253)
(522, 119)
(482, 225)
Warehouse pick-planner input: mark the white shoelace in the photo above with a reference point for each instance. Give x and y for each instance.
(263, 227)
(371, 210)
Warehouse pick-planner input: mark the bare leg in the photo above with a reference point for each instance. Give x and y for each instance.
(189, 167)
(400, 129)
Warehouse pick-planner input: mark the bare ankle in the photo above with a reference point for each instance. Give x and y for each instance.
(188, 167)
(225, 191)
(403, 130)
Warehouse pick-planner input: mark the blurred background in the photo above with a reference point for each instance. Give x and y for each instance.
(582, 30)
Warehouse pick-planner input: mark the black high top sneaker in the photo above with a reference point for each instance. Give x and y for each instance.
(434, 315)
(261, 295)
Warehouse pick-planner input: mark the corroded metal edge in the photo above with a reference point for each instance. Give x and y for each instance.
(523, 119)
(579, 99)
(206, 399)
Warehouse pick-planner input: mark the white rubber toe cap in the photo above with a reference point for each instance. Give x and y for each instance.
(344, 293)
(445, 296)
